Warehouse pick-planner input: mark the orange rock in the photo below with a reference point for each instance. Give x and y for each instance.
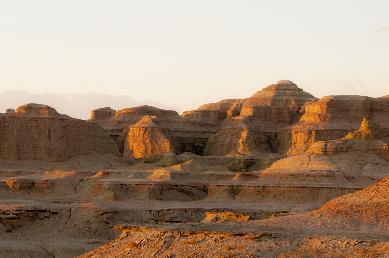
(146, 139)
(39, 132)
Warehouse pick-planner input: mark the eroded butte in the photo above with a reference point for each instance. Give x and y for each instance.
(278, 174)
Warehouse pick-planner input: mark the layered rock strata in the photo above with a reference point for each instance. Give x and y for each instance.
(39, 132)
(281, 118)
(331, 118)
(261, 116)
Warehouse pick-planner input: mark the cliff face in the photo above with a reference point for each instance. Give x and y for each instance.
(257, 120)
(146, 139)
(281, 118)
(334, 117)
(38, 132)
(236, 142)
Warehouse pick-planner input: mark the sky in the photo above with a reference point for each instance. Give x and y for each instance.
(82, 54)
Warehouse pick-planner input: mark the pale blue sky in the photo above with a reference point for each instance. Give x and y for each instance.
(184, 53)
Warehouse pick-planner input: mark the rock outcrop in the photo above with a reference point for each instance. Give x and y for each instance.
(366, 138)
(281, 118)
(368, 131)
(236, 194)
(237, 142)
(250, 125)
(332, 118)
(260, 117)
(117, 123)
(146, 139)
(39, 132)
(102, 114)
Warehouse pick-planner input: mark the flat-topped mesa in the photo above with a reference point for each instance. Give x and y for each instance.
(102, 114)
(10, 111)
(38, 132)
(134, 114)
(210, 114)
(36, 110)
(146, 139)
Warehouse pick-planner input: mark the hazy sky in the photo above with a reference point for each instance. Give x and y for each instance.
(182, 53)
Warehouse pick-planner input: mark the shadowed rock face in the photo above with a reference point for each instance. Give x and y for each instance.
(236, 142)
(102, 114)
(39, 132)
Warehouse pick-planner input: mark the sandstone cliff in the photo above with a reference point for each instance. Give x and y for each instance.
(260, 117)
(332, 118)
(38, 132)
(281, 118)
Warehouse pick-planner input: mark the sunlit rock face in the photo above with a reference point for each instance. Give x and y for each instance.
(146, 139)
(258, 119)
(258, 168)
(252, 123)
(39, 132)
(333, 117)
(365, 139)
(117, 123)
(281, 118)
(36, 110)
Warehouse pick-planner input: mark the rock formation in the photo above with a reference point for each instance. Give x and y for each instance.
(117, 124)
(39, 132)
(261, 116)
(237, 142)
(146, 139)
(278, 174)
(102, 114)
(368, 131)
(280, 118)
(331, 118)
